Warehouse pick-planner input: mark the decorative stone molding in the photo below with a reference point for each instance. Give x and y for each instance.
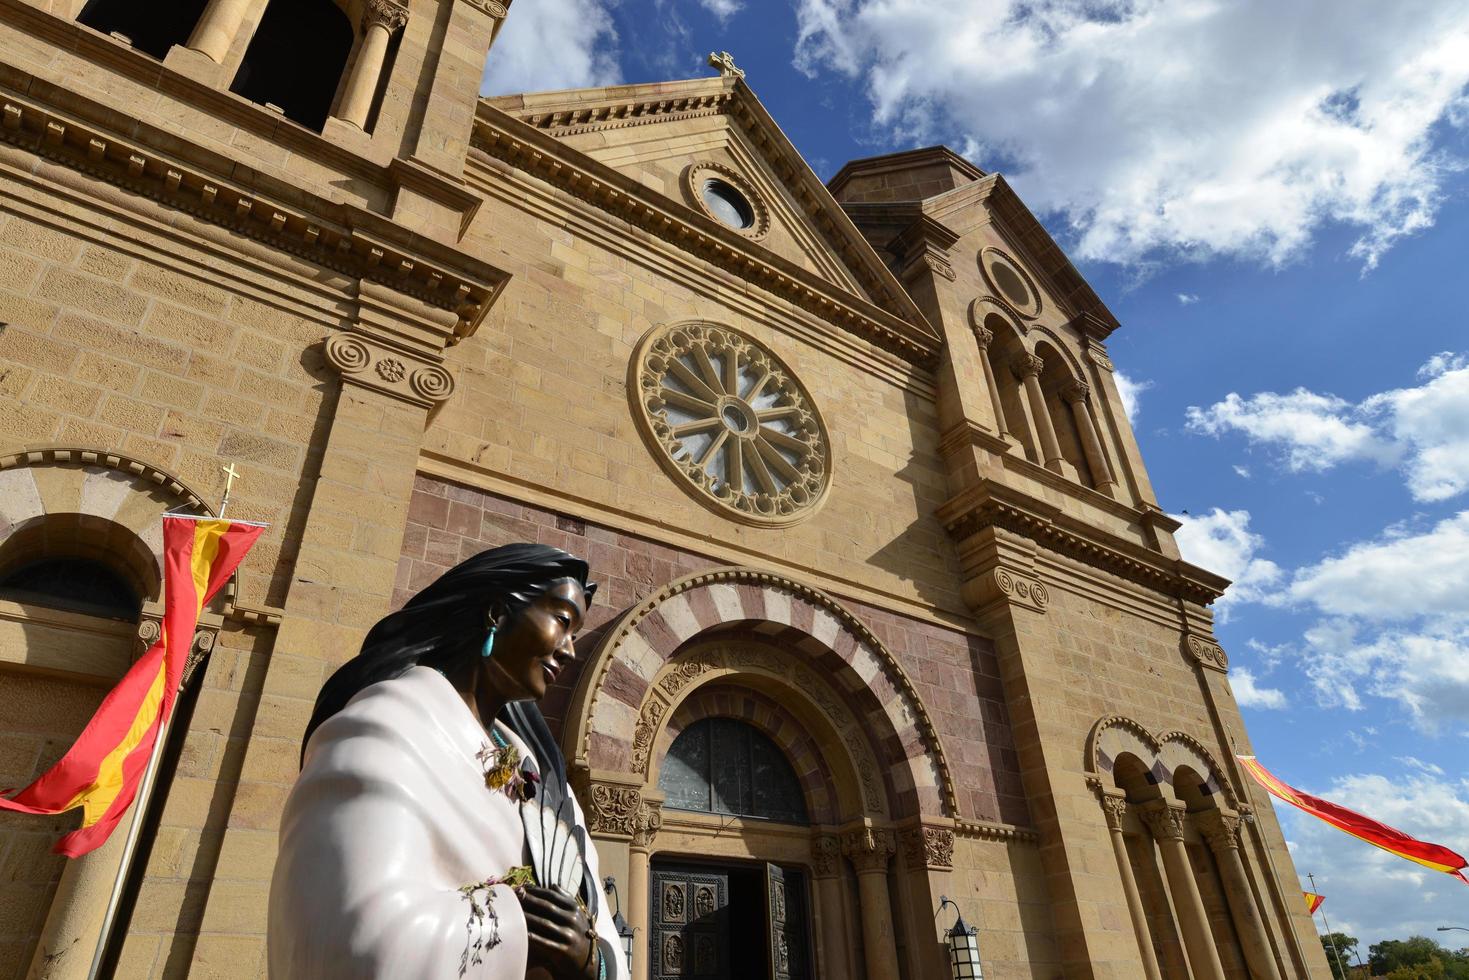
(897, 328)
(384, 13)
(1164, 821)
(988, 830)
(646, 824)
(348, 240)
(491, 7)
(1097, 354)
(1162, 755)
(826, 856)
(614, 809)
(816, 632)
(712, 403)
(1206, 652)
(1010, 283)
(393, 373)
(928, 847)
(694, 176)
(988, 504)
(924, 245)
(646, 730)
(869, 849)
(1000, 568)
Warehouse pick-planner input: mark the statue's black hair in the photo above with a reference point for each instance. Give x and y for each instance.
(446, 624)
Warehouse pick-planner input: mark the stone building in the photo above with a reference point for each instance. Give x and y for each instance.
(889, 610)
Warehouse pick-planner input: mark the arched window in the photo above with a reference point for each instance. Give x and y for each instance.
(78, 584)
(1054, 379)
(720, 765)
(296, 58)
(152, 27)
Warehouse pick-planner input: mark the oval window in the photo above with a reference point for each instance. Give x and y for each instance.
(727, 204)
(1012, 285)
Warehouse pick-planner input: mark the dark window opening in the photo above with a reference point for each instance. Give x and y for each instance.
(153, 26)
(296, 58)
(719, 765)
(76, 584)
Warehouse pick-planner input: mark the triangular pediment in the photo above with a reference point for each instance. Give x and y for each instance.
(671, 137)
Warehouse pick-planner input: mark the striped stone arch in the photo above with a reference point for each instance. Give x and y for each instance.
(86, 502)
(1163, 755)
(802, 624)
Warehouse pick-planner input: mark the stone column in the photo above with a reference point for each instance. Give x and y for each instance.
(984, 336)
(645, 830)
(214, 35)
(1075, 395)
(1114, 807)
(869, 851)
(1221, 831)
(380, 18)
(1166, 824)
(1027, 368)
(831, 937)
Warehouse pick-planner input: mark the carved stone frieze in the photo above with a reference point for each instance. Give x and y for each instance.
(868, 848)
(928, 847)
(614, 809)
(1206, 652)
(491, 7)
(1097, 354)
(363, 361)
(646, 824)
(826, 856)
(645, 732)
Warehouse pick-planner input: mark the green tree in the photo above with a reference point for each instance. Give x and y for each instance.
(1394, 954)
(1339, 948)
(1430, 969)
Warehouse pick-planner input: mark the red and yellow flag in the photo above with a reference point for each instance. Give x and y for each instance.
(101, 771)
(1433, 856)
(1313, 902)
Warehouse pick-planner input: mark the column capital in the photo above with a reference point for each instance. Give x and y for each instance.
(983, 336)
(1075, 391)
(826, 857)
(1164, 821)
(385, 13)
(1026, 365)
(1220, 830)
(928, 847)
(868, 849)
(1114, 808)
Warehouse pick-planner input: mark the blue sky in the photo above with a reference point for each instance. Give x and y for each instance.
(1274, 200)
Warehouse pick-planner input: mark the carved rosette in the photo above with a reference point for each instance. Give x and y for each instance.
(149, 632)
(363, 361)
(1012, 586)
(614, 809)
(826, 857)
(727, 419)
(928, 847)
(1206, 652)
(1164, 822)
(868, 849)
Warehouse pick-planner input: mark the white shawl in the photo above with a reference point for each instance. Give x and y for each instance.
(389, 818)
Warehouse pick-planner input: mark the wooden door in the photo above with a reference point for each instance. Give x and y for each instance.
(785, 915)
(690, 925)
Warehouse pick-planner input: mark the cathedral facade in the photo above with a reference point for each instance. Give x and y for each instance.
(888, 610)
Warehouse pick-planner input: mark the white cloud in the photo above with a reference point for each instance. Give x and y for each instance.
(1187, 299)
(1131, 392)
(1156, 127)
(1424, 429)
(723, 9)
(1249, 693)
(1370, 893)
(552, 44)
(1222, 542)
(1243, 472)
(1396, 625)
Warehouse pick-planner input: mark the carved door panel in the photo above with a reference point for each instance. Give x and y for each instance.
(690, 926)
(785, 915)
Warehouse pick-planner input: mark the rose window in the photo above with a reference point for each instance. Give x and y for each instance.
(727, 417)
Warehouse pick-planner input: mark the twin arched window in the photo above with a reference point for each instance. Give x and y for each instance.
(720, 765)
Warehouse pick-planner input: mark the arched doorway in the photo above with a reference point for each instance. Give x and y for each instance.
(790, 664)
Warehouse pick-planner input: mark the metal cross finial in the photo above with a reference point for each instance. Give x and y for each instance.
(724, 61)
(231, 475)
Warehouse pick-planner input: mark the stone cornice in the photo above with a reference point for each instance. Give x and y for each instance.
(991, 504)
(347, 238)
(925, 244)
(516, 142)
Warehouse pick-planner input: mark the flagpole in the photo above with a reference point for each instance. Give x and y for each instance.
(1335, 952)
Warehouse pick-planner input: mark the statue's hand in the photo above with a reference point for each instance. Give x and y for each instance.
(559, 934)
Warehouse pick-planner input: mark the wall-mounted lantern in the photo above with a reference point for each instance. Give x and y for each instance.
(624, 931)
(963, 946)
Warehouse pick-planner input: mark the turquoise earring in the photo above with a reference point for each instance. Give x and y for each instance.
(489, 646)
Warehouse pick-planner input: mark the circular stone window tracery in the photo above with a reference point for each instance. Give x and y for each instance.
(1010, 282)
(725, 195)
(726, 418)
